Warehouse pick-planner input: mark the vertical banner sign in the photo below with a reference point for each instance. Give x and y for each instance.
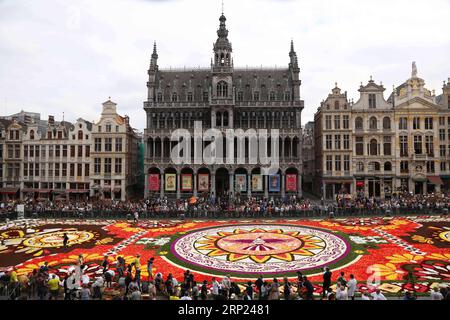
(241, 182)
(153, 182)
(274, 183)
(257, 182)
(186, 182)
(203, 182)
(171, 182)
(291, 182)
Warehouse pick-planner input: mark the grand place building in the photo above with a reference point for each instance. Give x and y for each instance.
(222, 97)
(378, 146)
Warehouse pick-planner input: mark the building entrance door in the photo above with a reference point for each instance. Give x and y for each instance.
(418, 188)
(222, 181)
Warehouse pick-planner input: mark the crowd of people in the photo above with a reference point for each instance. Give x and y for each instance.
(205, 206)
(121, 281)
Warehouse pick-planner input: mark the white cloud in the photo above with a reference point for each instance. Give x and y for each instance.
(58, 56)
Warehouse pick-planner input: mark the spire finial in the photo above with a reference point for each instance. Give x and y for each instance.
(414, 70)
(335, 84)
(222, 6)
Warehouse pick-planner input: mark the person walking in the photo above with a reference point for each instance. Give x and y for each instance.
(286, 289)
(274, 290)
(326, 282)
(352, 287)
(259, 283)
(65, 240)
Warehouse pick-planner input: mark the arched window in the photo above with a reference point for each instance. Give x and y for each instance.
(80, 135)
(359, 123)
(374, 166)
(225, 119)
(373, 123)
(31, 134)
(373, 147)
(336, 105)
(386, 123)
(387, 166)
(222, 89)
(360, 166)
(218, 119)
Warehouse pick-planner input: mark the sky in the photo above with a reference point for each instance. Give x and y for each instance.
(59, 56)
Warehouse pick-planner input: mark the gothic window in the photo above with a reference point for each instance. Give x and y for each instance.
(190, 97)
(174, 97)
(225, 119)
(240, 96)
(387, 166)
(222, 89)
(359, 123)
(287, 95)
(160, 97)
(272, 96)
(205, 96)
(256, 96)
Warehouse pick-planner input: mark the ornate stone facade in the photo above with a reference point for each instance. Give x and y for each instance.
(221, 97)
(398, 144)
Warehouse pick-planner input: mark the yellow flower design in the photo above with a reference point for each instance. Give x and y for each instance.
(388, 270)
(404, 258)
(422, 239)
(126, 227)
(439, 256)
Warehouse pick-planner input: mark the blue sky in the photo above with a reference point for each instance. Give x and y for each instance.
(68, 56)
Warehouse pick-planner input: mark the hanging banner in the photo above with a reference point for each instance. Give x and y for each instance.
(203, 182)
(257, 182)
(186, 182)
(170, 182)
(274, 183)
(291, 182)
(241, 182)
(153, 182)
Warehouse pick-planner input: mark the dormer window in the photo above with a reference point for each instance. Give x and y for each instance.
(108, 127)
(59, 134)
(31, 134)
(336, 105)
(372, 101)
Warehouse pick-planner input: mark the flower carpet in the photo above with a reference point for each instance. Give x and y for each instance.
(380, 252)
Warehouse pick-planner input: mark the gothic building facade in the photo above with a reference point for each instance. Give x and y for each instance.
(223, 97)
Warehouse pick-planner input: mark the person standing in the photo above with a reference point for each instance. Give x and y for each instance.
(341, 292)
(326, 282)
(286, 289)
(274, 290)
(204, 290)
(377, 295)
(342, 279)
(215, 288)
(53, 286)
(352, 286)
(259, 284)
(436, 295)
(150, 268)
(151, 290)
(65, 239)
(105, 263)
(309, 288)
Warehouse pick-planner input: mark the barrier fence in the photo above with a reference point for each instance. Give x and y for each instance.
(221, 214)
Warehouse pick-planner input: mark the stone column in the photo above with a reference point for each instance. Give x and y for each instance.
(178, 185)
(283, 185)
(299, 185)
(161, 182)
(213, 184)
(231, 184)
(146, 176)
(249, 185)
(266, 189)
(195, 183)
